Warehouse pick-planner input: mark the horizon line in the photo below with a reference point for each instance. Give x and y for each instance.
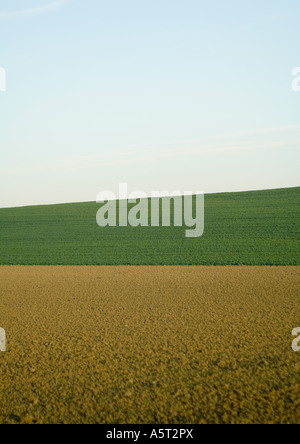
(149, 197)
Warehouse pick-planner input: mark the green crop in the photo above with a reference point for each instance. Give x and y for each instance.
(251, 228)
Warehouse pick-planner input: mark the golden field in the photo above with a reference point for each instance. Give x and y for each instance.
(149, 345)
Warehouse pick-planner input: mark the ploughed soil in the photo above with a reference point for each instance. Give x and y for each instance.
(149, 345)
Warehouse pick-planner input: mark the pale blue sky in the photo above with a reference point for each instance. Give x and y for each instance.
(162, 94)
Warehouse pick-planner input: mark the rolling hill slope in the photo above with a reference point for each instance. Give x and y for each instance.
(251, 228)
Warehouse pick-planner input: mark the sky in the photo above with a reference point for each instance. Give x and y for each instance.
(188, 95)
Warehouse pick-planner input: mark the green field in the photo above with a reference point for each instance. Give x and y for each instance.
(251, 228)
